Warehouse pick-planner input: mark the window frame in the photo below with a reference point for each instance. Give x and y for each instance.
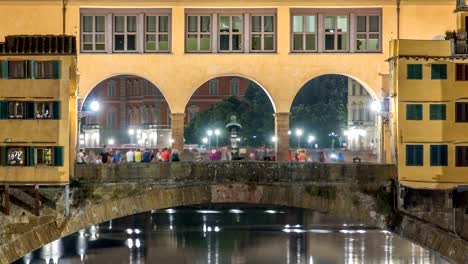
(235, 81)
(368, 33)
(125, 33)
(199, 33)
(216, 87)
(157, 33)
(458, 117)
(460, 153)
(36, 156)
(15, 107)
(336, 33)
(304, 33)
(50, 103)
(440, 160)
(433, 116)
(24, 160)
(230, 34)
(93, 33)
(262, 32)
(419, 66)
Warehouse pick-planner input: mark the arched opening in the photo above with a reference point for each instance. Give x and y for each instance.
(212, 107)
(334, 115)
(124, 112)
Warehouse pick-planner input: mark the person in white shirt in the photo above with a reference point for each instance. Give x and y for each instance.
(80, 157)
(130, 156)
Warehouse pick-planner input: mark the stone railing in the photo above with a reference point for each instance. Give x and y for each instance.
(238, 171)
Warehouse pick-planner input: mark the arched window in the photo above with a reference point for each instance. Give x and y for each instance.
(111, 90)
(235, 87)
(136, 120)
(353, 109)
(360, 112)
(214, 87)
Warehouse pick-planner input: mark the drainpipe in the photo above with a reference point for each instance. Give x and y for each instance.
(398, 18)
(64, 11)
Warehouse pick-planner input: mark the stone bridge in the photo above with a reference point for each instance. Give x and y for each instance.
(99, 193)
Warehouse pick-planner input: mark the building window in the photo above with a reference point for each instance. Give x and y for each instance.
(304, 30)
(235, 87)
(125, 33)
(462, 72)
(111, 119)
(437, 112)
(136, 120)
(414, 72)
(336, 33)
(414, 112)
(157, 33)
(198, 33)
(16, 156)
(368, 33)
(414, 155)
(461, 156)
(111, 89)
(16, 110)
(439, 155)
(43, 110)
(44, 156)
(93, 35)
(439, 71)
(461, 112)
(230, 33)
(353, 106)
(45, 69)
(361, 90)
(354, 88)
(262, 33)
(192, 112)
(361, 112)
(214, 87)
(18, 70)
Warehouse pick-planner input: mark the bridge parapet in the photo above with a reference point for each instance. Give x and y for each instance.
(235, 171)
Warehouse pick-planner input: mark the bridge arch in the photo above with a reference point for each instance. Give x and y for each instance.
(96, 204)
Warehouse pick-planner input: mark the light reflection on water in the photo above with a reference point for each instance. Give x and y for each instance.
(231, 235)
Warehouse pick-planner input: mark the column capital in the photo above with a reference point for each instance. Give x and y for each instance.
(282, 114)
(175, 116)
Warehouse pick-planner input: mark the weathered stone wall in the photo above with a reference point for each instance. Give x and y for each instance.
(104, 192)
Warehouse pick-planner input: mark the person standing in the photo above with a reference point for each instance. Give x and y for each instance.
(130, 156)
(80, 157)
(138, 155)
(165, 155)
(104, 155)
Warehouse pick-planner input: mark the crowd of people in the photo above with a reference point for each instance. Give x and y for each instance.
(132, 155)
(108, 155)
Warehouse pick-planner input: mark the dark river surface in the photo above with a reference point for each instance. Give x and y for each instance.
(232, 234)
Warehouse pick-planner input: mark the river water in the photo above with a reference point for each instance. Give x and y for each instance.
(231, 234)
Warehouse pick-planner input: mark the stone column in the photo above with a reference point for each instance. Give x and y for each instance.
(177, 127)
(282, 137)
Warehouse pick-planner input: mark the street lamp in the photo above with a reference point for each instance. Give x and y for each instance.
(375, 106)
(94, 106)
(110, 141)
(273, 139)
(299, 134)
(209, 133)
(217, 133)
(310, 139)
(205, 140)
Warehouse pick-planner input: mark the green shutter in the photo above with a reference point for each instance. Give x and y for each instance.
(414, 112)
(29, 110)
(3, 110)
(56, 110)
(33, 69)
(4, 156)
(437, 111)
(56, 69)
(30, 157)
(439, 155)
(58, 156)
(414, 155)
(439, 71)
(4, 69)
(414, 72)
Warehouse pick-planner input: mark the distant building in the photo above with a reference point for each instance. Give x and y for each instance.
(362, 129)
(133, 110)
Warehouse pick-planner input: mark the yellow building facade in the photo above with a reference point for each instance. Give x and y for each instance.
(179, 44)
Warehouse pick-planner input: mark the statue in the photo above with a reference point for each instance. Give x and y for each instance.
(233, 127)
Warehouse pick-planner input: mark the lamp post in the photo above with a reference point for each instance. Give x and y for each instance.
(209, 133)
(217, 133)
(299, 134)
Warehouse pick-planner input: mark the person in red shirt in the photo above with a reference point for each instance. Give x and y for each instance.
(165, 155)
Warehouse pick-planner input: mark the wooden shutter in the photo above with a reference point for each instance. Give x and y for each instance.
(56, 110)
(29, 110)
(3, 156)
(3, 110)
(4, 69)
(56, 69)
(58, 156)
(33, 69)
(30, 156)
